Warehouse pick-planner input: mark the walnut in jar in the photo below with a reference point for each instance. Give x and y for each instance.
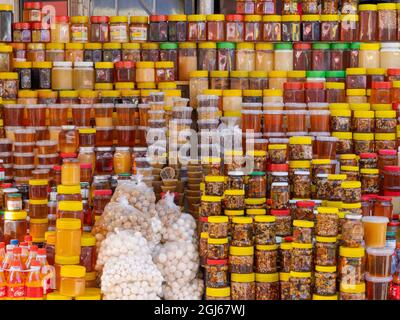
(243, 286)
(255, 203)
(258, 158)
(352, 292)
(234, 199)
(210, 206)
(232, 214)
(257, 185)
(265, 231)
(301, 183)
(284, 285)
(325, 251)
(301, 259)
(242, 231)
(266, 258)
(279, 195)
(325, 280)
(385, 121)
(300, 285)
(283, 222)
(351, 191)
(214, 185)
(277, 153)
(267, 286)
(352, 231)
(363, 143)
(241, 259)
(322, 187)
(335, 186)
(369, 181)
(327, 222)
(218, 227)
(235, 180)
(348, 160)
(216, 273)
(352, 172)
(345, 144)
(351, 208)
(303, 231)
(351, 265)
(285, 252)
(304, 211)
(341, 120)
(217, 249)
(300, 148)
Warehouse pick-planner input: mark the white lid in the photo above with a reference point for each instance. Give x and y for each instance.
(124, 105)
(103, 105)
(24, 154)
(296, 105)
(24, 144)
(44, 166)
(295, 112)
(46, 143)
(143, 106)
(19, 131)
(121, 148)
(370, 278)
(322, 175)
(273, 104)
(5, 154)
(280, 173)
(53, 155)
(86, 149)
(390, 45)
(375, 219)
(14, 106)
(380, 251)
(104, 149)
(319, 112)
(302, 173)
(125, 127)
(274, 112)
(251, 105)
(353, 216)
(65, 64)
(207, 97)
(235, 173)
(81, 106)
(25, 166)
(328, 139)
(278, 140)
(83, 64)
(139, 149)
(320, 134)
(279, 184)
(69, 127)
(299, 133)
(318, 104)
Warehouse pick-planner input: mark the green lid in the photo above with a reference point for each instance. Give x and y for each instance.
(283, 46)
(321, 46)
(315, 74)
(335, 74)
(124, 175)
(168, 46)
(390, 234)
(1, 212)
(355, 45)
(340, 46)
(226, 45)
(257, 173)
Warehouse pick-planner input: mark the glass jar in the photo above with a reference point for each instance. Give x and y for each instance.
(349, 27)
(300, 285)
(21, 32)
(119, 29)
(311, 27)
(283, 57)
(326, 251)
(41, 75)
(197, 27)
(68, 237)
(329, 27)
(351, 265)
(272, 28)
(72, 280)
(234, 28)
(363, 143)
(215, 28)
(302, 56)
(38, 189)
(387, 22)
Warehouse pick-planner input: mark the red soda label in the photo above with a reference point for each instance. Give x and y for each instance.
(34, 292)
(3, 291)
(395, 291)
(16, 292)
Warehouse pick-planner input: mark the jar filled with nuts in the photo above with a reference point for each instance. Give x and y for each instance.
(363, 121)
(352, 231)
(304, 210)
(351, 265)
(266, 258)
(352, 172)
(241, 259)
(319, 166)
(279, 195)
(217, 249)
(369, 181)
(325, 280)
(283, 222)
(203, 241)
(325, 251)
(368, 160)
(302, 231)
(284, 285)
(265, 230)
(233, 160)
(210, 206)
(267, 286)
(327, 222)
(242, 231)
(301, 182)
(285, 251)
(335, 186)
(277, 153)
(300, 148)
(218, 227)
(352, 291)
(351, 208)
(216, 273)
(214, 185)
(257, 185)
(235, 180)
(341, 120)
(234, 199)
(243, 286)
(301, 259)
(255, 203)
(300, 285)
(232, 214)
(322, 187)
(348, 160)
(258, 158)
(351, 191)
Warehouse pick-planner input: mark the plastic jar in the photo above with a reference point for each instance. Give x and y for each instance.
(239, 80)
(335, 92)
(368, 17)
(267, 286)
(99, 29)
(72, 280)
(369, 55)
(215, 28)
(363, 121)
(279, 195)
(38, 189)
(311, 27)
(321, 57)
(375, 231)
(15, 226)
(245, 57)
(217, 249)
(389, 55)
(291, 28)
(351, 268)
(196, 28)
(216, 275)
(55, 52)
(41, 75)
(210, 206)
(264, 230)
(271, 28)
(387, 22)
(385, 121)
(68, 237)
(21, 32)
(243, 286)
(352, 292)
(283, 57)
(234, 28)
(277, 79)
(241, 259)
(379, 262)
(327, 222)
(177, 27)
(302, 56)
(40, 32)
(119, 29)
(138, 29)
(326, 251)
(79, 29)
(300, 285)
(252, 27)
(187, 60)
(60, 30)
(38, 209)
(329, 27)
(74, 52)
(349, 27)
(242, 231)
(61, 75)
(226, 58)
(145, 71)
(70, 172)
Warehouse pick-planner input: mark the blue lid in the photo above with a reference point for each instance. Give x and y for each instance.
(14, 242)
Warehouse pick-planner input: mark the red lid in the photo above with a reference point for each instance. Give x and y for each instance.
(33, 248)
(288, 239)
(86, 166)
(387, 152)
(99, 19)
(66, 155)
(282, 167)
(203, 219)
(302, 46)
(394, 224)
(158, 18)
(32, 5)
(395, 216)
(381, 85)
(381, 198)
(57, 168)
(293, 86)
(2, 244)
(368, 155)
(39, 26)
(6, 185)
(23, 244)
(313, 85)
(102, 192)
(21, 25)
(393, 71)
(17, 250)
(61, 19)
(41, 251)
(28, 238)
(305, 204)
(283, 212)
(35, 263)
(124, 64)
(217, 262)
(392, 193)
(234, 17)
(392, 168)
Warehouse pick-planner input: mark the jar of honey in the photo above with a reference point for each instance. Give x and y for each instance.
(68, 139)
(87, 137)
(38, 189)
(122, 160)
(37, 229)
(72, 280)
(68, 237)
(70, 172)
(15, 225)
(70, 209)
(38, 209)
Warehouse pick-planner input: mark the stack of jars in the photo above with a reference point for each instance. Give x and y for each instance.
(38, 209)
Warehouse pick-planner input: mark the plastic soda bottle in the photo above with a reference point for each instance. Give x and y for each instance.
(34, 284)
(8, 259)
(2, 252)
(24, 252)
(3, 285)
(17, 257)
(47, 271)
(15, 282)
(32, 256)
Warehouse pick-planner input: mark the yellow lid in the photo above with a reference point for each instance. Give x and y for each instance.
(214, 178)
(363, 136)
(296, 74)
(339, 106)
(277, 146)
(111, 46)
(50, 237)
(337, 177)
(343, 135)
(232, 114)
(15, 215)
(328, 210)
(310, 17)
(294, 274)
(210, 160)
(110, 93)
(239, 74)
(253, 201)
(197, 17)
(256, 212)
(234, 192)
(68, 94)
(164, 64)
(381, 107)
(335, 85)
(215, 17)
(319, 297)
(367, 7)
(264, 46)
(326, 239)
(273, 92)
(211, 199)
(118, 19)
(177, 17)
(368, 46)
(234, 212)
(252, 18)
(369, 171)
(217, 241)
(349, 17)
(232, 93)
(139, 19)
(104, 65)
(296, 245)
(6, 7)
(204, 235)
(39, 221)
(42, 64)
(9, 75)
(396, 84)
(325, 268)
(187, 45)
(87, 240)
(300, 140)
(93, 46)
(167, 85)
(79, 19)
(88, 93)
(55, 295)
(350, 168)
(272, 18)
(74, 189)
(145, 65)
(38, 182)
(349, 156)
(329, 17)
(74, 46)
(219, 74)
(241, 251)
(301, 164)
(376, 71)
(252, 93)
(351, 184)
(291, 18)
(341, 113)
(73, 271)
(218, 219)
(68, 223)
(22, 65)
(385, 136)
(245, 46)
(364, 114)
(264, 218)
(351, 252)
(303, 223)
(277, 74)
(256, 153)
(284, 276)
(360, 106)
(131, 45)
(198, 74)
(124, 85)
(269, 247)
(150, 46)
(242, 277)
(242, 220)
(218, 292)
(171, 93)
(267, 277)
(335, 204)
(352, 288)
(89, 295)
(386, 6)
(146, 85)
(27, 94)
(356, 92)
(320, 161)
(286, 246)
